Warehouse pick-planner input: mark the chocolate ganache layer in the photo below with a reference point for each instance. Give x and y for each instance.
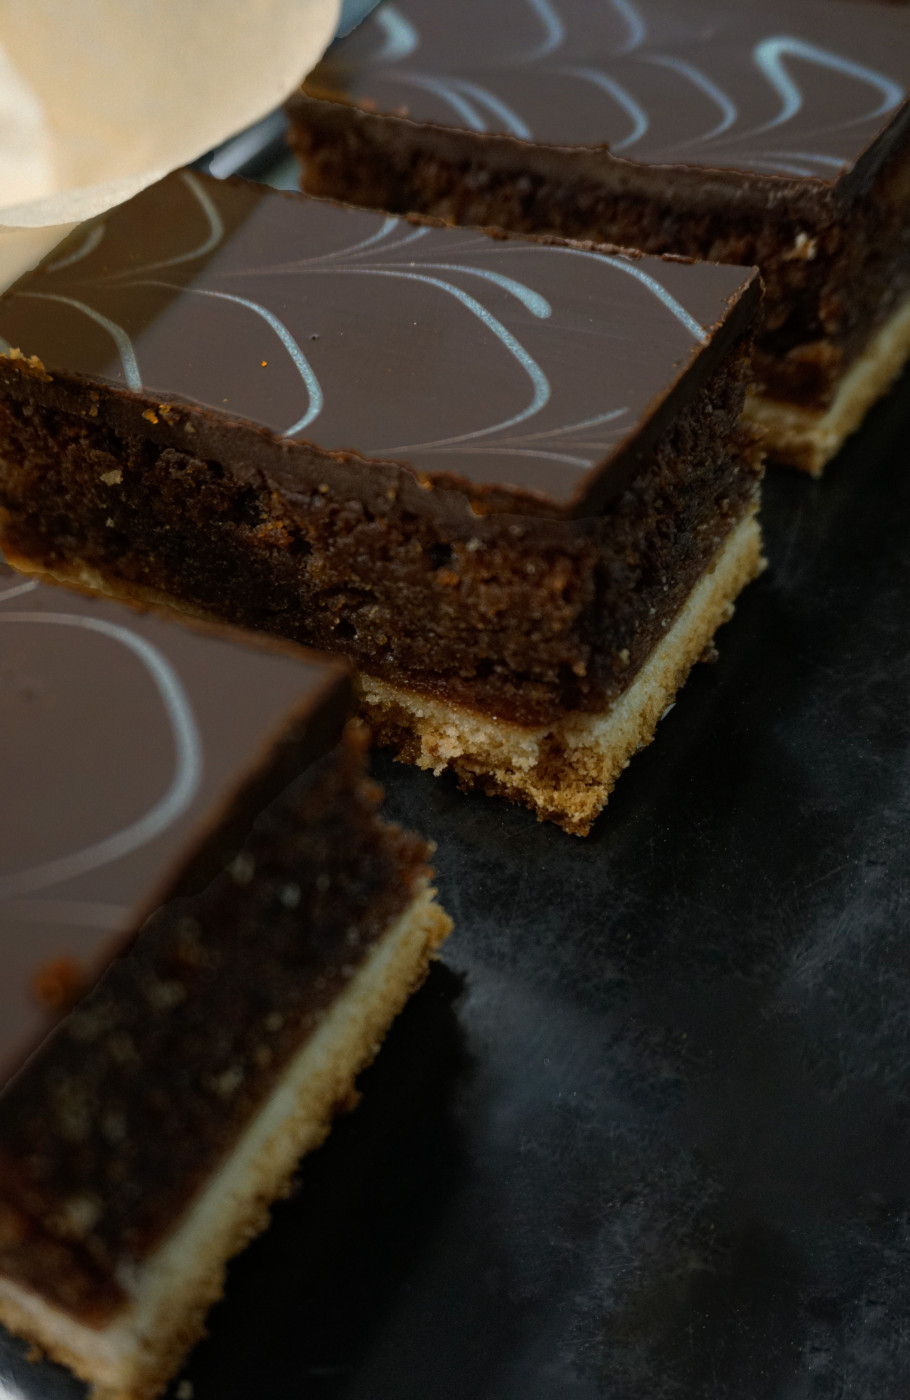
(135, 754)
(489, 467)
(517, 369)
(746, 131)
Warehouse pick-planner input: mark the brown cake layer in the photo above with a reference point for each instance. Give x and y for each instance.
(524, 616)
(122, 1116)
(565, 771)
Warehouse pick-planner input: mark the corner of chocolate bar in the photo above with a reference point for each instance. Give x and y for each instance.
(206, 930)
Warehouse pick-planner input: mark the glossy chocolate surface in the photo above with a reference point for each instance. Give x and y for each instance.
(782, 87)
(494, 361)
(125, 740)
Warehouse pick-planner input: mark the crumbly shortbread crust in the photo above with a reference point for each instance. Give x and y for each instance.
(133, 1357)
(807, 439)
(566, 771)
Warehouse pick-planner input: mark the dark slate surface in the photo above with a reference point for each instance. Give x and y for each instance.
(644, 1135)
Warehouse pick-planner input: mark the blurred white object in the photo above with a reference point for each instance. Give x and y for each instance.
(26, 159)
(99, 98)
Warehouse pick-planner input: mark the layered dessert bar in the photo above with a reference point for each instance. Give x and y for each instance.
(508, 478)
(768, 132)
(205, 931)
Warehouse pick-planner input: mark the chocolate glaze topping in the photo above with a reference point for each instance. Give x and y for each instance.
(135, 753)
(786, 88)
(443, 354)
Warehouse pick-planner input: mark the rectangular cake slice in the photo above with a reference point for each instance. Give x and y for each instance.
(205, 931)
(768, 132)
(508, 478)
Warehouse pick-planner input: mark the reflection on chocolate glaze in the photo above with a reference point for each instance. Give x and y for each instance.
(496, 360)
(122, 737)
(783, 87)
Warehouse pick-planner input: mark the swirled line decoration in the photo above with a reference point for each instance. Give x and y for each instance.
(300, 360)
(637, 29)
(18, 590)
(119, 336)
(769, 58)
(554, 30)
(215, 227)
(620, 94)
(517, 446)
(776, 57)
(85, 248)
(187, 769)
(459, 92)
(539, 381)
(728, 109)
(401, 38)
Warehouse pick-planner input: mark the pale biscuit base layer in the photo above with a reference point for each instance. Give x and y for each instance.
(565, 771)
(808, 440)
(134, 1356)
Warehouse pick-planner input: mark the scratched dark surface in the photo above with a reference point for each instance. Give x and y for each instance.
(645, 1134)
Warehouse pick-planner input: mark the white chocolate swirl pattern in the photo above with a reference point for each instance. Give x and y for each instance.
(445, 349)
(121, 736)
(794, 89)
(178, 794)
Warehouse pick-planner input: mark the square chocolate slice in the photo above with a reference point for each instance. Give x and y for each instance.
(205, 931)
(507, 477)
(768, 132)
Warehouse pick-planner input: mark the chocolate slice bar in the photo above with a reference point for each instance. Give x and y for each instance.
(205, 932)
(768, 132)
(507, 477)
